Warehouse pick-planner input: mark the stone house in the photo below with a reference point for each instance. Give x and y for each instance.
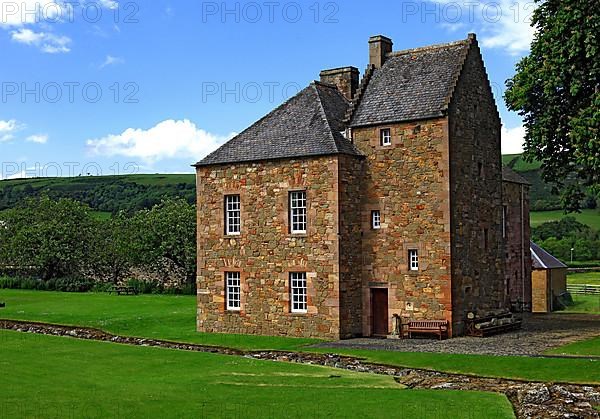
(357, 200)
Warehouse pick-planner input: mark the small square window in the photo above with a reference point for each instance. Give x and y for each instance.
(413, 259)
(233, 291)
(385, 137)
(375, 220)
(298, 292)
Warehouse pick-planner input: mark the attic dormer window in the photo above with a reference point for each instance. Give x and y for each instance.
(385, 137)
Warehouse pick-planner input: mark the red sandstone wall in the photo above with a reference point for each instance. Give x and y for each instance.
(408, 182)
(476, 194)
(266, 252)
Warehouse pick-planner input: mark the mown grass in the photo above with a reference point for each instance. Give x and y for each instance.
(150, 316)
(584, 278)
(173, 318)
(587, 216)
(584, 304)
(582, 371)
(583, 348)
(47, 376)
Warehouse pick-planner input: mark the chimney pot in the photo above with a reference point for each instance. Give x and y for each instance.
(379, 47)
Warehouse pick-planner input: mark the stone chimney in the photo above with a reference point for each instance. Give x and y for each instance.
(379, 47)
(344, 78)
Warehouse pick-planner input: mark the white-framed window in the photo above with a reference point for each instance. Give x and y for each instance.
(385, 137)
(376, 220)
(298, 299)
(413, 259)
(298, 217)
(233, 291)
(233, 215)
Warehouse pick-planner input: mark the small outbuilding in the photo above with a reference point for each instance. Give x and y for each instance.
(548, 280)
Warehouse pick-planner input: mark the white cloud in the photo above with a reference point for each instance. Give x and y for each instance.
(38, 139)
(22, 17)
(513, 140)
(166, 140)
(109, 4)
(8, 129)
(110, 60)
(23, 12)
(500, 24)
(46, 42)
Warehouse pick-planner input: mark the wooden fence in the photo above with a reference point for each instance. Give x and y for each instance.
(582, 289)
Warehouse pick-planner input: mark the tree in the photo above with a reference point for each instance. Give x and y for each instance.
(167, 234)
(50, 237)
(556, 89)
(115, 245)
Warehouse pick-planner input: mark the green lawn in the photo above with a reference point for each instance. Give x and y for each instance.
(587, 216)
(517, 367)
(584, 304)
(173, 318)
(47, 376)
(150, 316)
(589, 278)
(585, 347)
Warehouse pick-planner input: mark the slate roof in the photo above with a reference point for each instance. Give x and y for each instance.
(309, 124)
(509, 175)
(543, 259)
(412, 84)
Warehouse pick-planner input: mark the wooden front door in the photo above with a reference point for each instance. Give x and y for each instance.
(379, 312)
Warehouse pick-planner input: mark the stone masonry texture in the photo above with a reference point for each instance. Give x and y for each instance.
(439, 190)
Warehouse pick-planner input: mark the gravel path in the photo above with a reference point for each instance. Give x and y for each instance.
(540, 332)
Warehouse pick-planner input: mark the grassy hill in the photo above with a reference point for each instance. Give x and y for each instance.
(109, 194)
(545, 206)
(105, 194)
(587, 216)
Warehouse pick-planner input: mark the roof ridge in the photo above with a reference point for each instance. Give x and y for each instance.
(322, 110)
(429, 47)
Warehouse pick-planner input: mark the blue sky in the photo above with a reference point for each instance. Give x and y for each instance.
(110, 87)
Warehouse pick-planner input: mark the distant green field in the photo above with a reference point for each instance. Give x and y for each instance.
(517, 163)
(101, 215)
(588, 278)
(588, 217)
(142, 179)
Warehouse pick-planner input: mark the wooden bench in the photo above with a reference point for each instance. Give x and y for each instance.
(123, 289)
(435, 327)
(491, 324)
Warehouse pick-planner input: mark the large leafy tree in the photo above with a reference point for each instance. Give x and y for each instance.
(49, 237)
(556, 89)
(167, 236)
